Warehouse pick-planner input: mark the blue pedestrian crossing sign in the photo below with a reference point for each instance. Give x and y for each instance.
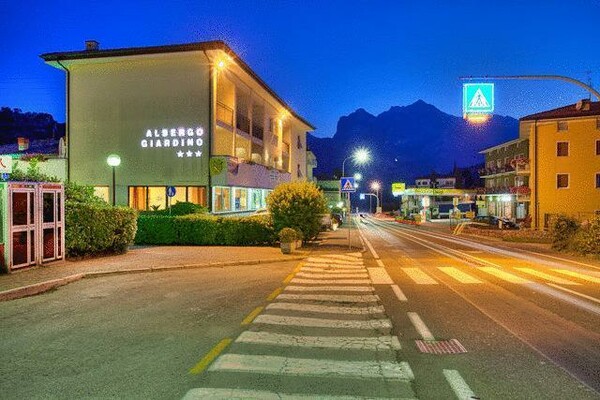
(171, 191)
(347, 185)
(478, 98)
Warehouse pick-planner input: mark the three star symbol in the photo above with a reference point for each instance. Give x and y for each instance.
(189, 153)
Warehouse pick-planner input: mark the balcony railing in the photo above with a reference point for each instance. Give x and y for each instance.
(225, 114)
(518, 190)
(523, 167)
(242, 122)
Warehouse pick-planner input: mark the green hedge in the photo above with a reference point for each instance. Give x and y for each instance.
(204, 230)
(92, 229)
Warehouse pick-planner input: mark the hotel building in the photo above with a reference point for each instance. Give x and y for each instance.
(192, 116)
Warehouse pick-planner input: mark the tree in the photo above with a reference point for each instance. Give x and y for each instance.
(297, 205)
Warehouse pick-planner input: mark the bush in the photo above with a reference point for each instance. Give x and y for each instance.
(288, 235)
(93, 229)
(179, 208)
(587, 239)
(204, 230)
(562, 231)
(297, 205)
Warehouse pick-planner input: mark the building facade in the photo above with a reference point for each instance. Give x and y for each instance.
(565, 161)
(193, 116)
(506, 174)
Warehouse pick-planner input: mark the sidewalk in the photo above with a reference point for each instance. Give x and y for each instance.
(160, 258)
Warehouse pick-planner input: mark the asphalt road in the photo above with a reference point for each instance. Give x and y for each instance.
(530, 324)
(126, 337)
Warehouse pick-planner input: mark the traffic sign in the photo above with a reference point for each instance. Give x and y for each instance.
(347, 185)
(478, 98)
(362, 196)
(398, 188)
(6, 164)
(171, 191)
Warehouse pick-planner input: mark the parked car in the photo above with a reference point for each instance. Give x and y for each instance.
(495, 221)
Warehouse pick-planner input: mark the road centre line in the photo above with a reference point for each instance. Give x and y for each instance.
(578, 275)
(547, 277)
(318, 308)
(370, 324)
(458, 385)
(420, 326)
(276, 365)
(248, 320)
(398, 292)
(329, 289)
(459, 275)
(379, 343)
(274, 294)
(419, 277)
(585, 296)
(210, 356)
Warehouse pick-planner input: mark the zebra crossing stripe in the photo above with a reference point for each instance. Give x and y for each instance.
(275, 365)
(379, 276)
(578, 275)
(504, 275)
(341, 298)
(458, 384)
(228, 394)
(332, 261)
(459, 275)
(334, 271)
(547, 277)
(313, 275)
(318, 308)
(329, 289)
(341, 257)
(419, 277)
(380, 343)
(332, 281)
(372, 324)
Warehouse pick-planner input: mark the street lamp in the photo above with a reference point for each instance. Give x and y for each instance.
(114, 161)
(358, 176)
(376, 185)
(360, 156)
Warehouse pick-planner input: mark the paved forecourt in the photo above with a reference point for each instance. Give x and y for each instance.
(325, 335)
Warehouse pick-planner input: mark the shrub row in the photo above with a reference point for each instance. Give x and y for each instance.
(97, 228)
(570, 235)
(204, 230)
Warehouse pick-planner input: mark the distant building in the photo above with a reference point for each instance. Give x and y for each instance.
(506, 174)
(311, 164)
(194, 116)
(565, 161)
(331, 191)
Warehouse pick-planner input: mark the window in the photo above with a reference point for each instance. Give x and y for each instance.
(598, 123)
(155, 197)
(240, 197)
(562, 181)
(562, 126)
(221, 199)
(598, 181)
(103, 192)
(299, 142)
(598, 147)
(562, 149)
(299, 172)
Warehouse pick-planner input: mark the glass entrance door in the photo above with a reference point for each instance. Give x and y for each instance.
(22, 227)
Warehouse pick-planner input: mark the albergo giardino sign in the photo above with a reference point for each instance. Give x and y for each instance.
(185, 142)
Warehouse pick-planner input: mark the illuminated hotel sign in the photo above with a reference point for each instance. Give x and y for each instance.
(185, 142)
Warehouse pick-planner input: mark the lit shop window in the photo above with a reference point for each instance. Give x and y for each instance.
(241, 199)
(221, 199)
(155, 197)
(102, 192)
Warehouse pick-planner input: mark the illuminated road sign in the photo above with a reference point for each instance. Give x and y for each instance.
(478, 98)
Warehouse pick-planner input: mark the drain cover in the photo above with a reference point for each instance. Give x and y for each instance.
(451, 346)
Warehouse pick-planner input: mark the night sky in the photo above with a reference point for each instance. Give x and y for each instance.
(326, 58)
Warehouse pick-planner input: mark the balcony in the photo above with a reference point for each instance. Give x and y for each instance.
(242, 123)
(225, 116)
(231, 171)
(258, 131)
(489, 172)
(517, 190)
(523, 167)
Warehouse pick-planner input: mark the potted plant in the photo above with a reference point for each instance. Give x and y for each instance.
(287, 240)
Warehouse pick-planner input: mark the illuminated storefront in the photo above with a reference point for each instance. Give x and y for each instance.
(192, 116)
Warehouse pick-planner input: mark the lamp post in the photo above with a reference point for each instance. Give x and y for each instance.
(376, 185)
(360, 156)
(114, 161)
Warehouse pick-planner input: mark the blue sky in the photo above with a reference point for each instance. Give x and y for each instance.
(326, 58)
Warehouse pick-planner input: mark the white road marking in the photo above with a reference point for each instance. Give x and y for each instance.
(337, 298)
(578, 275)
(379, 276)
(371, 324)
(504, 275)
(329, 289)
(379, 262)
(398, 293)
(316, 275)
(458, 385)
(274, 365)
(369, 245)
(419, 277)
(547, 277)
(228, 394)
(420, 326)
(332, 261)
(333, 281)
(318, 308)
(585, 296)
(333, 270)
(342, 257)
(333, 266)
(459, 275)
(379, 343)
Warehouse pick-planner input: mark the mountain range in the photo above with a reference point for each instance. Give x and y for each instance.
(407, 142)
